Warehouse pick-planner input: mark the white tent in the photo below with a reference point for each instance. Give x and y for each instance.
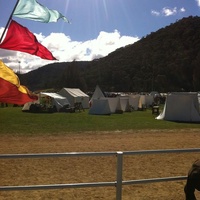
(149, 100)
(54, 99)
(142, 102)
(108, 105)
(183, 107)
(145, 100)
(113, 103)
(100, 107)
(57, 100)
(75, 95)
(97, 93)
(123, 103)
(134, 101)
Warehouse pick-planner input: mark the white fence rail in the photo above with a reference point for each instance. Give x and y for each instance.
(119, 170)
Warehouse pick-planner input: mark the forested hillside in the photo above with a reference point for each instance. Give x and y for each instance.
(166, 60)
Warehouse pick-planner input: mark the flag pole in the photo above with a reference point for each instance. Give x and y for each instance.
(8, 21)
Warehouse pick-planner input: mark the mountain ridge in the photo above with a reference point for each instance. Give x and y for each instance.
(166, 60)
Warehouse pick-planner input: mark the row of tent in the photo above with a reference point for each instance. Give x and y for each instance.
(98, 104)
(110, 105)
(101, 105)
(179, 106)
(65, 97)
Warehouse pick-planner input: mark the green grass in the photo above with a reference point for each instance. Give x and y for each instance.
(14, 121)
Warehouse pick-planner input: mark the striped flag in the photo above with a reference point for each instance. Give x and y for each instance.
(10, 89)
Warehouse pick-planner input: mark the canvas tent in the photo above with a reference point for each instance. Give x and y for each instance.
(183, 107)
(75, 95)
(123, 103)
(56, 100)
(97, 93)
(134, 101)
(109, 105)
(145, 100)
(49, 100)
(113, 103)
(100, 107)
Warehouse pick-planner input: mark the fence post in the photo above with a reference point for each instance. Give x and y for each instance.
(119, 175)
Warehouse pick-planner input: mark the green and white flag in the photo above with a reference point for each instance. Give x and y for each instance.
(31, 9)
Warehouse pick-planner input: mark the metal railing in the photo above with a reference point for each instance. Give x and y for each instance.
(118, 183)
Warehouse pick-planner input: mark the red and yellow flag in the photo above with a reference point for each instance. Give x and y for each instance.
(10, 89)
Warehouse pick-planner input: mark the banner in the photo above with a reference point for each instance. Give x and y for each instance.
(19, 38)
(31, 9)
(10, 89)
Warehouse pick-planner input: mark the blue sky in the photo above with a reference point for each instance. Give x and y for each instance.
(97, 27)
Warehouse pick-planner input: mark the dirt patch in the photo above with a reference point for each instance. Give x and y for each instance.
(98, 169)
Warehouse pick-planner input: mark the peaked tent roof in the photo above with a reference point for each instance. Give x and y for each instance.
(97, 93)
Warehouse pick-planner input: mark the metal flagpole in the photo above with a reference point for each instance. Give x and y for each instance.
(8, 21)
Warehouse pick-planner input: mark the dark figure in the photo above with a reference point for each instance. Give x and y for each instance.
(193, 181)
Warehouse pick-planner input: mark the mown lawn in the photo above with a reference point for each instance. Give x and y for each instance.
(14, 121)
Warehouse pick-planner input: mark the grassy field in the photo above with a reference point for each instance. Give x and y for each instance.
(14, 121)
(81, 132)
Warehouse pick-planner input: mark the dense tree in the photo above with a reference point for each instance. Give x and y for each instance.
(166, 60)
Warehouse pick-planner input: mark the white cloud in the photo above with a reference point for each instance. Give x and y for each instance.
(182, 9)
(154, 12)
(198, 2)
(66, 50)
(169, 11)
(166, 11)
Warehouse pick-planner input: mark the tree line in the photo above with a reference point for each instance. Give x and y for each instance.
(166, 60)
